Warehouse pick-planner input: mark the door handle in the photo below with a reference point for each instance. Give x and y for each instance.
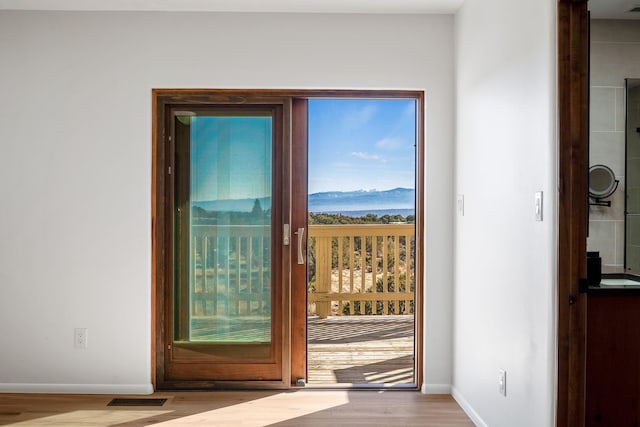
(300, 234)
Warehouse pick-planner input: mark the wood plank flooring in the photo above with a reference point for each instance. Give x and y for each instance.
(351, 350)
(360, 350)
(302, 408)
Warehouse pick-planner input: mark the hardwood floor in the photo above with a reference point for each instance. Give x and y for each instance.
(341, 350)
(235, 408)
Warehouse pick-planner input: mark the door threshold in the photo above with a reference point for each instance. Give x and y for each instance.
(371, 387)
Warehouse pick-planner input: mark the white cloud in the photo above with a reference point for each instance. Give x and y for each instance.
(368, 156)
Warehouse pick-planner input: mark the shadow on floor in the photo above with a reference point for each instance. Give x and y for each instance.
(339, 330)
(393, 371)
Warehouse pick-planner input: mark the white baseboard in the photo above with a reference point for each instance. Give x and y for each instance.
(77, 388)
(436, 389)
(471, 413)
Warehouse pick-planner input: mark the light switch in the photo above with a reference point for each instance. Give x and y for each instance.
(538, 205)
(460, 204)
(502, 382)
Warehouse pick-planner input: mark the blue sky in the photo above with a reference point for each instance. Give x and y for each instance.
(361, 144)
(230, 157)
(353, 145)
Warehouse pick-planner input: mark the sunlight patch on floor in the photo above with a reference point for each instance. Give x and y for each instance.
(265, 411)
(91, 418)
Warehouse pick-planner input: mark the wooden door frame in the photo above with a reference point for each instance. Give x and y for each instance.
(573, 104)
(294, 365)
(165, 101)
(299, 220)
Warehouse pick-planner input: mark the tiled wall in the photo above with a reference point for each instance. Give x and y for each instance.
(615, 55)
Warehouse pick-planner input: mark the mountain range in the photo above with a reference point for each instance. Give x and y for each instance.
(329, 202)
(340, 201)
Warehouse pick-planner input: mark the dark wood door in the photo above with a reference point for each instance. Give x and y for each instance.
(226, 292)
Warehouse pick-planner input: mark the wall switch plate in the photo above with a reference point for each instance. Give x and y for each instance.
(502, 382)
(80, 338)
(538, 205)
(460, 204)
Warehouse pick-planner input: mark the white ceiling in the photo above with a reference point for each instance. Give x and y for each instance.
(304, 6)
(613, 9)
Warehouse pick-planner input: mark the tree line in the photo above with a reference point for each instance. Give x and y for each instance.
(327, 218)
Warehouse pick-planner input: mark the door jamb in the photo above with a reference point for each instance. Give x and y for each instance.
(573, 96)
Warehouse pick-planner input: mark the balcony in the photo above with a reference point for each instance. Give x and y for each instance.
(360, 304)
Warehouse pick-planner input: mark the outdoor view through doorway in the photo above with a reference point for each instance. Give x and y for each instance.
(361, 253)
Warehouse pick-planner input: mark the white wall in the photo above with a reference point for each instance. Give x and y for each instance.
(75, 181)
(504, 273)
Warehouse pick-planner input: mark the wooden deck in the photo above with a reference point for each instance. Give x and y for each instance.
(360, 350)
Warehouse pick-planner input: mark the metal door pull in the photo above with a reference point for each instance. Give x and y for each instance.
(300, 234)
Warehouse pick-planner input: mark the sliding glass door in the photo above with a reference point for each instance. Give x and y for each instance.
(241, 260)
(225, 305)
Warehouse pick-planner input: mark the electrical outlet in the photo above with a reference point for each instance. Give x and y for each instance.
(80, 338)
(502, 382)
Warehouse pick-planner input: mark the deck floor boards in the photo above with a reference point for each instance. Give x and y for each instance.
(360, 350)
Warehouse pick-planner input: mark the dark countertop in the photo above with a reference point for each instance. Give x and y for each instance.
(614, 290)
(628, 285)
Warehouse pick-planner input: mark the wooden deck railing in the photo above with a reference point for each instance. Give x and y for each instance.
(352, 269)
(361, 269)
(230, 270)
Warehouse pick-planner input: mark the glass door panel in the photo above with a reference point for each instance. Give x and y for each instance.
(223, 293)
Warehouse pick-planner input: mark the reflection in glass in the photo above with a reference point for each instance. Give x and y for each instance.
(227, 266)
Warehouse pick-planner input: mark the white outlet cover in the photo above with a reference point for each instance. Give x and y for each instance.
(80, 338)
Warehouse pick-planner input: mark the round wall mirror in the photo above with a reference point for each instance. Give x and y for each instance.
(602, 182)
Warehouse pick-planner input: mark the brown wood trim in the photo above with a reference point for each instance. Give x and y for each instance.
(573, 92)
(154, 253)
(420, 242)
(236, 95)
(224, 385)
(157, 239)
(299, 163)
(284, 253)
(180, 181)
